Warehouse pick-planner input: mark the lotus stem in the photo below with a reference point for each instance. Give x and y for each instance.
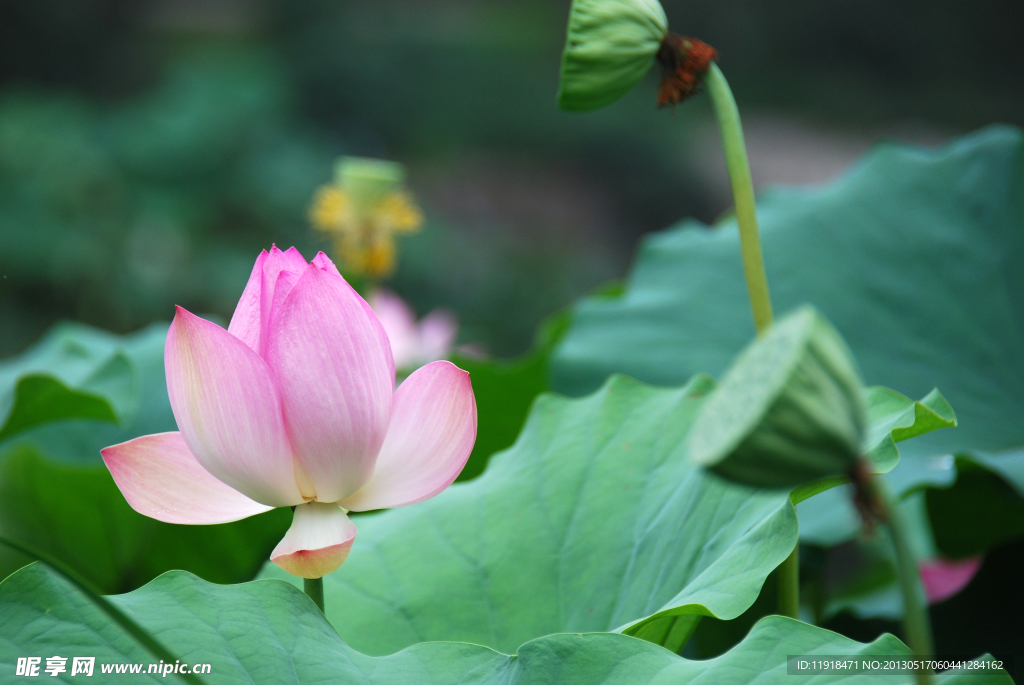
(789, 584)
(738, 167)
(917, 627)
(314, 588)
(742, 193)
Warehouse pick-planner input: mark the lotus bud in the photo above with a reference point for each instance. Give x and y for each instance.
(610, 47)
(789, 410)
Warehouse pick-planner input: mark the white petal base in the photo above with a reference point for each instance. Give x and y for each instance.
(318, 541)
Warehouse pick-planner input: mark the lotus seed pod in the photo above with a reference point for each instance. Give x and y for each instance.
(610, 47)
(790, 409)
(368, 181)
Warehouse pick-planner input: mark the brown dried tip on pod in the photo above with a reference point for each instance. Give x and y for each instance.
(683, 62)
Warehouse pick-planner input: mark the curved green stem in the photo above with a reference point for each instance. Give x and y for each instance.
(753, 266)
(314, 588)
(743, 194)
(916, 623)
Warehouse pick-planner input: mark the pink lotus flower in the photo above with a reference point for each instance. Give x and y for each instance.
(295, 405)
(944, 578)
(413, 344)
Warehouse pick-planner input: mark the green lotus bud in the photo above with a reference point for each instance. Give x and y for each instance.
(789, 410)
(610, 47)
(368, 181)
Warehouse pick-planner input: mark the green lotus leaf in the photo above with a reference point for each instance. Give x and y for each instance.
(267, 632)
(790, 409)
(910, 255)
(72, 373)
(594, 520)
(894, 417)
(609, 48)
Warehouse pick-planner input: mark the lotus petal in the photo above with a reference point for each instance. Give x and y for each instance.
(278, 264)
(333, 364)
(161, 479)
(318, 541)
(226, 402)
(245, 322)
(432, 431)
(943, 578)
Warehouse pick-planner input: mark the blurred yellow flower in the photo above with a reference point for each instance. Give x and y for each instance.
(362, 211)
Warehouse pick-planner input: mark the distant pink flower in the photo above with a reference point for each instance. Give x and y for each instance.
(295, 405)
(414, 345)
(943, 578)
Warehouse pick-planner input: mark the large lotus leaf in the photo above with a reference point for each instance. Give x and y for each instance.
(593, 521)
(914, 256)
(56, 494)
(267, 632)
(74, 372)
(597, 478)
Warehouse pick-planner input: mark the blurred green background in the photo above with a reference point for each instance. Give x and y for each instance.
(149, 150)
